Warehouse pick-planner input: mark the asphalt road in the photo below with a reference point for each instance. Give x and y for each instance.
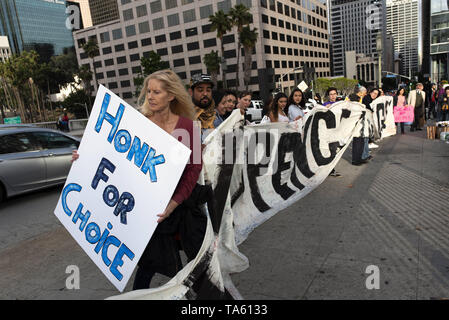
(391, 213)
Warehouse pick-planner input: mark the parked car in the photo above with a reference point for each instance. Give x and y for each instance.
(255, 110)
(33, 158)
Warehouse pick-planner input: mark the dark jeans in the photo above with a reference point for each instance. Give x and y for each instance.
(402, 126)
(357, 149)
(143, 278)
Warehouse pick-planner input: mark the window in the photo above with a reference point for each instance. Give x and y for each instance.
(206, 28)
(156, 6)
(193, 46)
(107, 50)
(158, 24)
(162, 52)
(169, 4)
(178, 62)
(210, 43)
(146, 42)
(191, 32)
(130, 30)
(182, 75)
(176, 49)
(134, 57)
(224, 5)
(15, 143)
(230, 54)
(228, 39)
(117, 34)
(267, 49)
(54, 140)
(119, 47)
(136, 69)
(123, 72)
(104, 37)
(183, 2)
(127, 95)
(110, 74)
(189, 15)
(141, 11)
(175, 35)
(109, 62)
(128, 14)
(121, 60)
(125, 84)
(112, 85)
(144, 27)
(264, 18)
(206, 11)
(160, 38)
(173, 20)
(195, 60)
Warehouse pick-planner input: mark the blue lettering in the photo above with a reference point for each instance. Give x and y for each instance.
(103, 238)
(69, 188)
(118, 262)
(114, 121)
(93, 227)
(104, 252)
(100, 175)
(79, 215)
(151, 162)
(137, 152)
(125, 205)
(111, 202)
(122, 148)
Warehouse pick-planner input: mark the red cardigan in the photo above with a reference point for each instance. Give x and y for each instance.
(192, 171)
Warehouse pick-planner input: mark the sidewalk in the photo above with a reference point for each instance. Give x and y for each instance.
(391, 213)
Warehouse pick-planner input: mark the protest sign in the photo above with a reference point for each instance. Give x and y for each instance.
(127, 171)
(404, 114)
(383, 117)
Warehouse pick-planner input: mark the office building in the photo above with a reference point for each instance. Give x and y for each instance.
(103, 11)
(84, 11)
(35, 25)
(5, 49)
(439, 40)
(291, 34)
(403, 23)
(354, 26)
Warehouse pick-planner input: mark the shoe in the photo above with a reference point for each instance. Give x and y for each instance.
(373, 146)
(334, 174)
(359, 163)
(418, 129)
(369, 158)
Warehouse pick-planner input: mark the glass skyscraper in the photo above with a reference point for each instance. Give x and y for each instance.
(439, 39)
(35, 24)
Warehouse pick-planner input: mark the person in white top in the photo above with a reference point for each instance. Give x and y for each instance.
(297, 104)
(276, 112)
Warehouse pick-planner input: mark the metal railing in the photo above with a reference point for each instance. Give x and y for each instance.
(77, 124)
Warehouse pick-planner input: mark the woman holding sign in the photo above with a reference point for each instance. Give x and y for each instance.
(400, 100)
(167, 104)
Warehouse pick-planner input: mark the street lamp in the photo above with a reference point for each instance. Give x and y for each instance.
(281, 78)
(379, 48)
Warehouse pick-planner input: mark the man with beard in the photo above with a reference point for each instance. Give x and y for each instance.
(201, 92)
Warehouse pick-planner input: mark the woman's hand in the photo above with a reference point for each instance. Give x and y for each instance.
(298, 117)
(75, 155)
(170, 208)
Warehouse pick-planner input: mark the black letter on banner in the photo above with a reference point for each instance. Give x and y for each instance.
(380, 122)
(254, 171)
(287, 143)
(300, 157)
(329, 118)
(221, 190)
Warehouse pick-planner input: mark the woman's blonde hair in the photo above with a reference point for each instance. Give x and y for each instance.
(181, 105)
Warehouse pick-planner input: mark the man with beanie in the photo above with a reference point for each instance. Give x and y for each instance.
(201, 92)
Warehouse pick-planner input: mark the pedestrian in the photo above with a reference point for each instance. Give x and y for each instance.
(332, 96)
(399, 100)
(243, 102)
(369, 143)
(65, 122)
(220, 108)
(443, 105)
(276, 112)
(417, 99)
(167, 104)
(230, 103)
(433, 101)
(200, 90)
(317, 98)
(358, 143)
(267, 105)
(296, 105)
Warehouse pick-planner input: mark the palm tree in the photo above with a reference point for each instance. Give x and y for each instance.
(248, 38)
(222, 24)
(91, 49)
(212, 62)
(240, 16)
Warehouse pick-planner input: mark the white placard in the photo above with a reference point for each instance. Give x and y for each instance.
(303, 86)
(126, 174)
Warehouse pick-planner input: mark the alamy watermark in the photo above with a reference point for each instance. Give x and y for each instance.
(73, 280)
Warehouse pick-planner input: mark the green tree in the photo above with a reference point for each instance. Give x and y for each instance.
(149, 65)
(222, 24)
(212, 62)
(84, 75)
(91, 49)
(248, 38)
(75, 103)
(240, 17)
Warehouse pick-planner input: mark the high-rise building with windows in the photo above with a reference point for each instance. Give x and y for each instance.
(354, 25)
(291, 34)
(439, 39)
(35, 24)
(403, 23)
(102, 11)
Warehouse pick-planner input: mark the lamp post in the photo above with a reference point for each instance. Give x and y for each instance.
(281, 78)
(379, 48)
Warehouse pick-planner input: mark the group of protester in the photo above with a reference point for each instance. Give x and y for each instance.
(166, 103)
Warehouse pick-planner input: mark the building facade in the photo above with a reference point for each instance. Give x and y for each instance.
(35, 24)
(354, 25)
(403, 23)
(439, 40)
(84, 12)
(291, 34)
(5, 49)
(103, 11)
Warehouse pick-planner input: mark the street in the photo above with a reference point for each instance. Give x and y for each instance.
(391, 213)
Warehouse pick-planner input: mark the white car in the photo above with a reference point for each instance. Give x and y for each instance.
(255, 110)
